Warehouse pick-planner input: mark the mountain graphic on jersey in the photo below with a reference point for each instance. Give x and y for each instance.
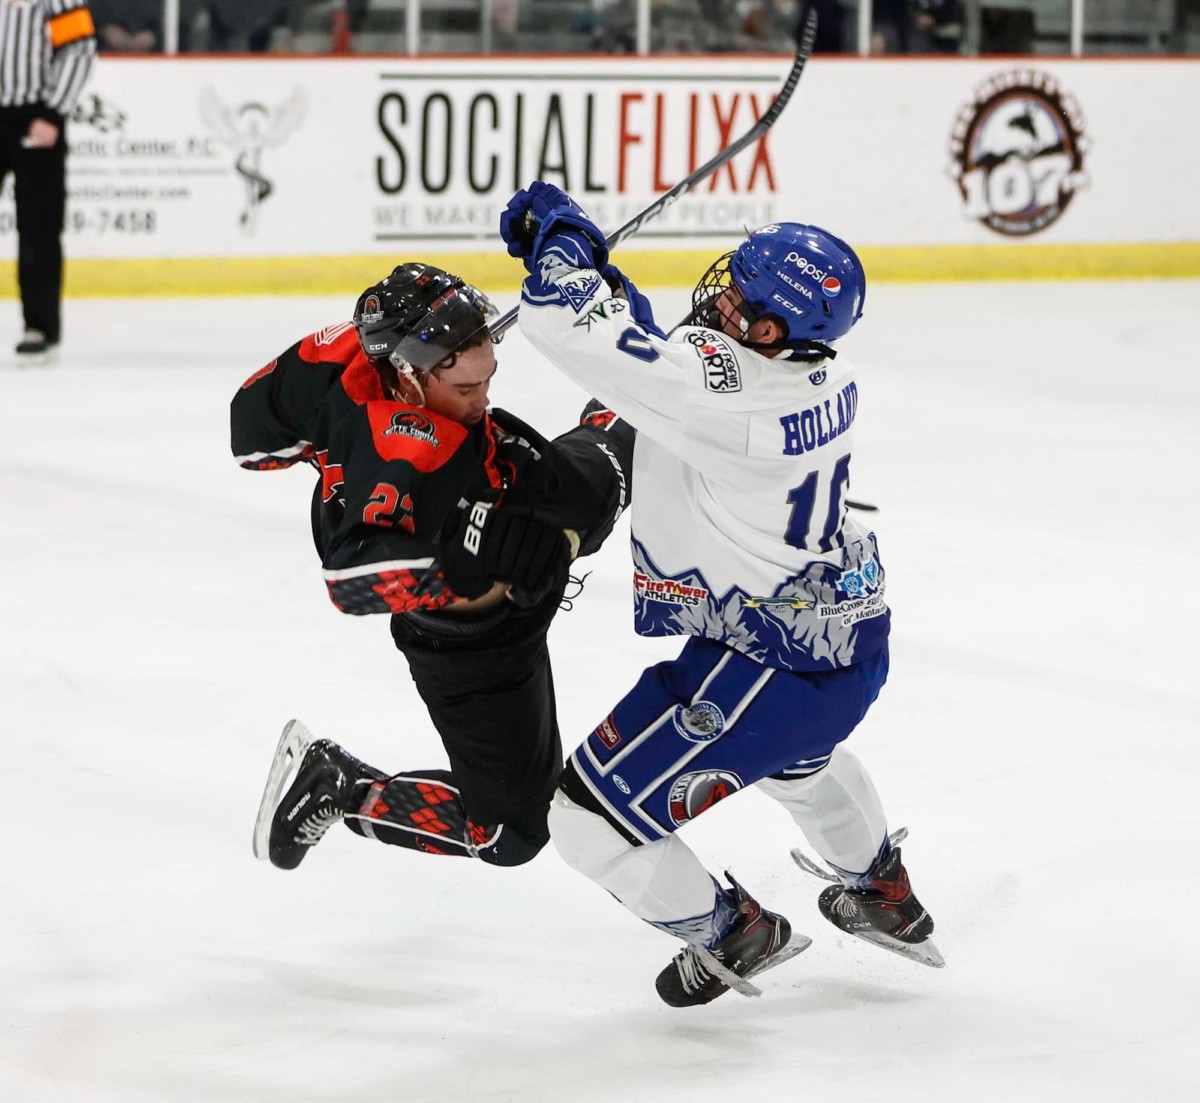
(823, 617)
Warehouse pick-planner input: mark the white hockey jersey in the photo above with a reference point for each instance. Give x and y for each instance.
(741, 471)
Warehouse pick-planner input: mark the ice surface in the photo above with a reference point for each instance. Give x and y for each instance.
(1034, 453)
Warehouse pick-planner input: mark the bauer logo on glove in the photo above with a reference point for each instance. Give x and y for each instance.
(482, 545)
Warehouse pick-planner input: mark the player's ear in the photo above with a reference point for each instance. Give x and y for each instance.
(766, 331)
(409, 389)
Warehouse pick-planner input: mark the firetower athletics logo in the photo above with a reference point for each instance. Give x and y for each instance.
(1017, 152)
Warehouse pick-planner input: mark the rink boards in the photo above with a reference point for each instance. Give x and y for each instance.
(278, 175)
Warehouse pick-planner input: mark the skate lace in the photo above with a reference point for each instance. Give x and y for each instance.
(313, 829)
(692, 972)
(567, 602)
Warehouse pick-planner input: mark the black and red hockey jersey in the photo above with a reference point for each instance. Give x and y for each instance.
(391, 472)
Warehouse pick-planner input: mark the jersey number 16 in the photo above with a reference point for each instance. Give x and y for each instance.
(803, 500)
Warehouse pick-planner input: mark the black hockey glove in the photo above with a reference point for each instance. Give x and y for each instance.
(481, 545)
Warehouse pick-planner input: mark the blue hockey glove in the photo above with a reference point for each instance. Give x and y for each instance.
(521, 220)
(541, 212)
(639, 306)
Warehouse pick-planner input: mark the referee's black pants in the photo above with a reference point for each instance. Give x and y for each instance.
(40, 177)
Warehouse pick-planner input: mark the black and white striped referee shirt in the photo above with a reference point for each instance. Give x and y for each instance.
(46, 51)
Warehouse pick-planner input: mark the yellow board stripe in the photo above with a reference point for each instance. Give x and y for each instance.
(496, 272)
(70, 27)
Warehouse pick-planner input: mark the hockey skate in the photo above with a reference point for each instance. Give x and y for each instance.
(885, 912)
(319, 797)
(759, 940)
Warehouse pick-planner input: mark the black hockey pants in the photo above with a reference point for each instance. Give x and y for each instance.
(489, 689)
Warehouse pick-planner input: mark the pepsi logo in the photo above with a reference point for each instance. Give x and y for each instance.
(832, 286)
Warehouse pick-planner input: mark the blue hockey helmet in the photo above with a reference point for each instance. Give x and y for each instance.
(802, 276)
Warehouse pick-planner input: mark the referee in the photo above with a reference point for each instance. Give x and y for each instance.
(46, 51)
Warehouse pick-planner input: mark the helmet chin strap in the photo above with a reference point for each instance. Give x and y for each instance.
(801, 350)
(747, 316)
(407, 384)
(410, 376)
(744, 316)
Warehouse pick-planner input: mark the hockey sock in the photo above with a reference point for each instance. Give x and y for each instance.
(421, 810)
(838, 810)
(662, 882)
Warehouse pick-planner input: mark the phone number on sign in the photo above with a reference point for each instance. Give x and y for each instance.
(102, 220)
(98, 221)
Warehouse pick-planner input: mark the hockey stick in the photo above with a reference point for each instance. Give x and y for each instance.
(808, 34)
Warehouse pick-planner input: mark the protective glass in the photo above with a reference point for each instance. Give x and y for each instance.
(454, 320)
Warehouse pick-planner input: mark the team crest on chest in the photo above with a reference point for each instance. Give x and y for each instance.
(410, 423)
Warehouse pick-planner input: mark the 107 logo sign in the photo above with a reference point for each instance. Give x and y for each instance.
(1018, 151)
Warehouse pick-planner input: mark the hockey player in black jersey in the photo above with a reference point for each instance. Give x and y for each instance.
(420, 482)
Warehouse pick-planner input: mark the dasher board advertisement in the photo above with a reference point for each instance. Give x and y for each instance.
(279, 157)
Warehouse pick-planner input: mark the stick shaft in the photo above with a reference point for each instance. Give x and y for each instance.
(808, 35)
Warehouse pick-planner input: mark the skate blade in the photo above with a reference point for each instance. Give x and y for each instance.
(293, 742)
(742, 985)
(925, 953)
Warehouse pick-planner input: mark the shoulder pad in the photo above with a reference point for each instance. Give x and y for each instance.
(420, 437)
(337, 343)
(361, 381)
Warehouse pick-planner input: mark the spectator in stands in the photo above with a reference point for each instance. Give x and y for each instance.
(505, 16)
(614, 26)
(772, 25)
(128, 26)
(937, 26)
(890, 27)
(235, 26)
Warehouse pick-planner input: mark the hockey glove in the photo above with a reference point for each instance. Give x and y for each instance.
(541, 212)
(482, 545)
(639, 306)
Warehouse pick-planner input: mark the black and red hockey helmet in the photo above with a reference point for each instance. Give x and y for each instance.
(420, 316)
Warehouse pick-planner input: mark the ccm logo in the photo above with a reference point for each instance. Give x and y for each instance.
(474, 534)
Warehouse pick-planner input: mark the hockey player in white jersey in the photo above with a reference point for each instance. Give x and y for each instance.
(742, 543)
